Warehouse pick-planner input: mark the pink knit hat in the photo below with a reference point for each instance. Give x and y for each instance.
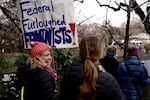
(38, 48)
(132, 51)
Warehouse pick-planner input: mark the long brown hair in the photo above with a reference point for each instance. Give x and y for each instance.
(90, 52)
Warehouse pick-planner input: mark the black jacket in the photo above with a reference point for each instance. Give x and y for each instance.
(38, 84)
(110, 64)
(107, 87)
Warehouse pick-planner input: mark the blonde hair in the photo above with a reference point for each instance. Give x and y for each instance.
(90, 52)
(38, 61)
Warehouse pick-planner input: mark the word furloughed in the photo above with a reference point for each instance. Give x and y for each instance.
(40, 22)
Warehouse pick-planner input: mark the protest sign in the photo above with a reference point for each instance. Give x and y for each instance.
(49, 21)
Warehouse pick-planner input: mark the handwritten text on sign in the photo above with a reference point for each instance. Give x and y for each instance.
(48, 21)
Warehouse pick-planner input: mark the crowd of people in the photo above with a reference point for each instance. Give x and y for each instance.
(89, 77)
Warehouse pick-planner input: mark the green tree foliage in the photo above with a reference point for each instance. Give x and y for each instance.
(3, 63)
(7, 63)
(21, 59)
(63, 58)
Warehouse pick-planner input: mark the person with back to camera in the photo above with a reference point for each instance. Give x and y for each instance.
(132, 76)
(38, 74)
(109, 61)
(86, 79)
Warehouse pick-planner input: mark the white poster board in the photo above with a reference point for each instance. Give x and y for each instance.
(49, 21)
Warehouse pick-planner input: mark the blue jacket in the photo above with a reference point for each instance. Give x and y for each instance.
(133, 78)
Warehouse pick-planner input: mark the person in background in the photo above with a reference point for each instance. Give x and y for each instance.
(109, 61)
(132, 76)
(86, 79)
(38, 75)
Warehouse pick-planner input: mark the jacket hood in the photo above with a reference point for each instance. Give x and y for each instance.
(133, 61)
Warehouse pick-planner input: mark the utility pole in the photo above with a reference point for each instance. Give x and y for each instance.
(127, 29)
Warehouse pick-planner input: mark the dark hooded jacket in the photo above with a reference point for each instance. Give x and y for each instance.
(107, 87)
(38, 84)
(110, 63)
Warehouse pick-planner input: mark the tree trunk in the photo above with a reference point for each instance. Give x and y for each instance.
(127, 30)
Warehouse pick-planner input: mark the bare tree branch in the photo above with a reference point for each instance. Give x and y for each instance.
(115, 9)
(122, 5)
(135, 7)
(8, 14)
(143, 17)
(85, 20)
(81, 1)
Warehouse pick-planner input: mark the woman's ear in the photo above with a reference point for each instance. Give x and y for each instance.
(37, 58)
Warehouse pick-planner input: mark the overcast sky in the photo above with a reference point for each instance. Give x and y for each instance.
(91, 8)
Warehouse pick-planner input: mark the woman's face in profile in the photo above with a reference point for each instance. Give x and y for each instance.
(46, 57)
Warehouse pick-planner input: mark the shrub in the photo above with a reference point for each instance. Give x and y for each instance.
(21, 59)
(63, 58)
(3, 63)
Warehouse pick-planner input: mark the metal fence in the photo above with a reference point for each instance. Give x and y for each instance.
(6, 81)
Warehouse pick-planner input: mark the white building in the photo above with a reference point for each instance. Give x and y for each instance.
(141, 38)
